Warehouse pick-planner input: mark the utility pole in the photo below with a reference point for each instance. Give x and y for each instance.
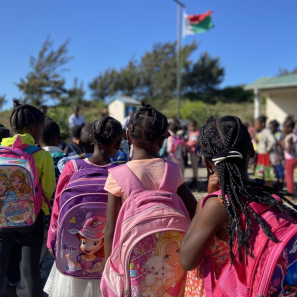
(178, 82)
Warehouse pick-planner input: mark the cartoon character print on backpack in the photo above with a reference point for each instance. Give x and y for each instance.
(84, 248)
(155, 268)
(284, 279)
(16, 198)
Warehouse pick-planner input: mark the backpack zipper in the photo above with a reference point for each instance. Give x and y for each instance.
(271, 261)
(74, 197)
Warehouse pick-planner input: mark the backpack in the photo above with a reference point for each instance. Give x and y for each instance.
(271, 268)
(149, 230)
(163, 150)
(178, 147)
(19, 208)
(81, 222)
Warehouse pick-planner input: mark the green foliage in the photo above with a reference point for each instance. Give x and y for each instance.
(44, 81)
(204, 76)
(2, 101)
(198, 111)
(284, 71)
(75, 95)
(60, 115)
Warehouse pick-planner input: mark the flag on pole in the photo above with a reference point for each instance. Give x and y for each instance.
(197, 23)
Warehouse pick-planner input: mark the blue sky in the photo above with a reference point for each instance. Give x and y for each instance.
(253, 37)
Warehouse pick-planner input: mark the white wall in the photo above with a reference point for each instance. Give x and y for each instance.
(116, 109)
(280, 104)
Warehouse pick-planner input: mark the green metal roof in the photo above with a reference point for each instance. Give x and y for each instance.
(289, 80)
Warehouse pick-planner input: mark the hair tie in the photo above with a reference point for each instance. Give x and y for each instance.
(223, 156)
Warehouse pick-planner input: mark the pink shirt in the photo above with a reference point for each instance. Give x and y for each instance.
(149, 171)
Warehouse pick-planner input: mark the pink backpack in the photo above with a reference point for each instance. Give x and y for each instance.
(272, 268)
(149, 230)
(21, 194)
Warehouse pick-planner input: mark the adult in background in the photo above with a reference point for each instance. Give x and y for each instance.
(126, 120)
(75, 119)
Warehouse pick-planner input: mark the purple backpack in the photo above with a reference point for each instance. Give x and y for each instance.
(149, 230)
(81, 222)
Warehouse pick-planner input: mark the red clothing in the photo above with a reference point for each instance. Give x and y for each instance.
(290, 165)
(64, 179)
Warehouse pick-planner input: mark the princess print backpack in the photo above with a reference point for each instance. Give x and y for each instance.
(149, 230)
(77, 238)
(20, 190)
(271, 270)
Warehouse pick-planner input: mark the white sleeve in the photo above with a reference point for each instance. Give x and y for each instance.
(70, 121)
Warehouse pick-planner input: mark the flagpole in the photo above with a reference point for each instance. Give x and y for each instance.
(178, 83)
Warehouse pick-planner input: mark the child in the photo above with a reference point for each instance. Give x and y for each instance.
(27, 123)
(106, 137)
(276, 155)
(4, 133)
(84, 143)
(73, 147)
(226, 147)
(289, 145)
(265, 142)
(175, 146)
(147, 131)
(192, 145)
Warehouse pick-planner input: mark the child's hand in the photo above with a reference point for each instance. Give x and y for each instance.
(213, 183)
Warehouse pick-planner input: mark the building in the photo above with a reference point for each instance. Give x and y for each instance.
(119, 106)
(281, 96)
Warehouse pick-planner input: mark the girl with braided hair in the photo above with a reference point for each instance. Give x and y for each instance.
(147, 130)
(226, 147)
(106, 136)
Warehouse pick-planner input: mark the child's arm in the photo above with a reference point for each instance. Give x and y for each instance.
(202, 230)
(113, 209)
(188, 198)
(74, 263)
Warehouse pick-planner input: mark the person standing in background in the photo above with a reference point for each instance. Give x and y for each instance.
(265, 142)
(75, 119)
(192, 145)
(276, 155)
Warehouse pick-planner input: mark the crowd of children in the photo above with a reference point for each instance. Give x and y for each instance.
(276, 152)
(89, 221)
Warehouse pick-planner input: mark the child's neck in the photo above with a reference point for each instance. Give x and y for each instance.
(140, 153)
(100, 157)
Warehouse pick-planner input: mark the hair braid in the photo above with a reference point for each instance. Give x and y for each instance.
(107, 130)
(147, 126)
(222, 136)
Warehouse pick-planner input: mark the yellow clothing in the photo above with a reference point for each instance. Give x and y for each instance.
(45, 167)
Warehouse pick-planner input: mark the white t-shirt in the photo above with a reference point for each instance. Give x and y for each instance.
(76, 121)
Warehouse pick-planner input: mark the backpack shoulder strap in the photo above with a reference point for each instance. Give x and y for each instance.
(32, 149)
(171, 177)
(214, 194)
(127, 180)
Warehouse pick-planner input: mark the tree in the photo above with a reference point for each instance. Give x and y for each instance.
(3, 101)
(204, 76)
(284, 71)
(105, 84)
(76, 95)
(45, 81)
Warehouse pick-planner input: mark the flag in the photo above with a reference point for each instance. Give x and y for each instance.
(197, 23)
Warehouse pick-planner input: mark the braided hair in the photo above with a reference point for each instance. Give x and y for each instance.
(147, 126)
(107, 130)
(226, 141)
(23, 116)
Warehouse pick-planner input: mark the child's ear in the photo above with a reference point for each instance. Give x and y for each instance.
(208, 164)
(128, 136)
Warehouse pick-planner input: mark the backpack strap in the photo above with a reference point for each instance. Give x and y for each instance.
(214, 194)
(127, 180)
(171, 177)
(32, 149)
